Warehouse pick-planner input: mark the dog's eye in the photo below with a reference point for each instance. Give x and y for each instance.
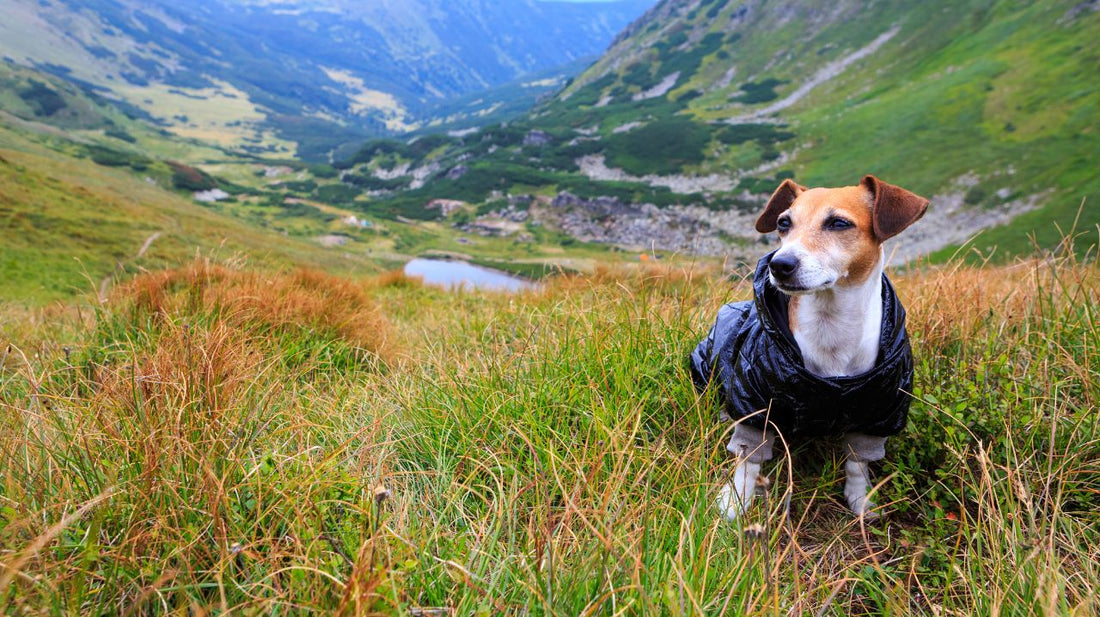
(837, 224)
(783, 224)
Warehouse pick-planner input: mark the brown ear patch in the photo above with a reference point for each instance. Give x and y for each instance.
(781, 199)
(894, 208)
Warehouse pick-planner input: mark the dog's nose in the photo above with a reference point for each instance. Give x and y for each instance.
(782, 266)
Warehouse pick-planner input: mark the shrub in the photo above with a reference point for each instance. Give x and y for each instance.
(303, 305)
(374, 183)
(687, 61)
(716, 9)
(336, 193)
(44, 101)
(300, 186)
(660, 147)
(323, 171)
(763, 134)
(975, 195)
(120, 134)
(108, 157)
(188, 178)
(759, 92)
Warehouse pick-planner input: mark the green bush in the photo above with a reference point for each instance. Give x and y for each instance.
(661, 147)
(321, 170)
(108, 157)
(336, 193)
(188, 178)
(120, 134)
(43, 100)
(759, 92)
(975, 195)
(300, 186)
(687, 62)
(763, 134)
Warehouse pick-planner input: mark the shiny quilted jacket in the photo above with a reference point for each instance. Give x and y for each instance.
(753, 359)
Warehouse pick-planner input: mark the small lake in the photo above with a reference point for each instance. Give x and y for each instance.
(452, 274)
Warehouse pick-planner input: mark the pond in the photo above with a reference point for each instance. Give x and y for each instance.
(453, 274)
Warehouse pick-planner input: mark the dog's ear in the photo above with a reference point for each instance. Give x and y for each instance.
(781, 199)
(894, 208)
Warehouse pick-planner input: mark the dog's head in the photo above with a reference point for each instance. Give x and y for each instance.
(833, 236)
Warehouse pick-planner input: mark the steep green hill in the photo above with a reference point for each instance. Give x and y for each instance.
(989, 107)
(68, 225)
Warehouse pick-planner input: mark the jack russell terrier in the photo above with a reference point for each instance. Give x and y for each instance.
(822, 350)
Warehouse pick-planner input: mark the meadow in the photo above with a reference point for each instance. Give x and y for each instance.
(216, 438)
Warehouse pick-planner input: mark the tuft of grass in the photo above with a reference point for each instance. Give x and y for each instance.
(305, 301)
(543, 452)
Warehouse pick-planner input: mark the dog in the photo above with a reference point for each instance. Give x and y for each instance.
(822, 349)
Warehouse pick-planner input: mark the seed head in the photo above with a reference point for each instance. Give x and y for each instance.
(381, 493)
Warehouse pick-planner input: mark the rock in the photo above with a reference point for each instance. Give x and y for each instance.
(330, 240)
(690, 229)
(457, 172)
(211, 196)
(355, 221)
(537, 138)
(445, 206)
(275, 172)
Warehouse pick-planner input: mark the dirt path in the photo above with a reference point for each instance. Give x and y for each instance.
(827, 72)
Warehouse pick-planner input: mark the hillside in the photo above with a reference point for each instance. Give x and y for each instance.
(315, 73)
(84, 186)
(70, 227)
(89, 195)
(701, 107)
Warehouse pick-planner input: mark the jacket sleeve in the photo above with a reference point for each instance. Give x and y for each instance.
(704, 360)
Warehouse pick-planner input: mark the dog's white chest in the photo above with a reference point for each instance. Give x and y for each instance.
(838, 337)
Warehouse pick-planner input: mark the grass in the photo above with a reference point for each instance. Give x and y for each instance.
(68, 225)
(214, 439)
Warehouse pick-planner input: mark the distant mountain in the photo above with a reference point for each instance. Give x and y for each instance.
(266, 72)
(701, 107)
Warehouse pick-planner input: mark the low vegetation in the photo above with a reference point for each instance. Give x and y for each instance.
(218, 438)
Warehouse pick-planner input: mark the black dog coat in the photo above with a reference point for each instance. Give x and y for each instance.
(753, 358)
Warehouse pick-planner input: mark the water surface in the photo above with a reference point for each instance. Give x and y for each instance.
(453, 274)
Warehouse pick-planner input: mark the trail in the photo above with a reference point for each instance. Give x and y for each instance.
(823, 75)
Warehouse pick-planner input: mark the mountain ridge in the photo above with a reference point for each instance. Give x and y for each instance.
(364, 68)
(986, 106)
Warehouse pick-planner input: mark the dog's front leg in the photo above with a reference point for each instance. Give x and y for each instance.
(862, 449)
(735, 496)
(752, 447)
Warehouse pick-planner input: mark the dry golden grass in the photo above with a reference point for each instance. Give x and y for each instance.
(302, 299)
(543, 452)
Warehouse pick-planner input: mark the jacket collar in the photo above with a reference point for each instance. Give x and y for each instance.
(772, 311)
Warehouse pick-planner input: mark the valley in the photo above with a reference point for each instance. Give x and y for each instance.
(236, 376)
(665, 148)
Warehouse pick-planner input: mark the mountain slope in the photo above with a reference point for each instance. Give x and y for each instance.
(242, 71)
(88, 193)
(702, 106)
(68, 225)
(986, 103)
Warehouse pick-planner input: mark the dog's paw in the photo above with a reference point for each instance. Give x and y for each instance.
(730, 503)
(862, 507)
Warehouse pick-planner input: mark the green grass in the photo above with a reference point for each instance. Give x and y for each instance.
(196, 445)
(68, 226)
